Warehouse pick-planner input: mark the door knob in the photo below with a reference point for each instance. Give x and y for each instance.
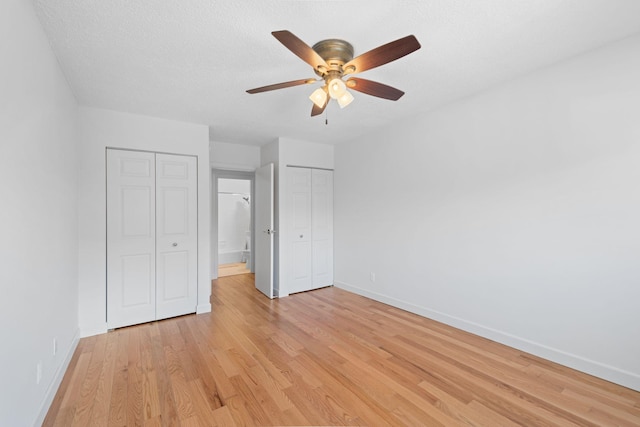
(174, 244)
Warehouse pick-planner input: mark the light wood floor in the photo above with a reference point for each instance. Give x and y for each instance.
(225, 270)
(325, 357)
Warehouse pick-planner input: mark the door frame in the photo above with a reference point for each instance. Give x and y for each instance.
(228, 174)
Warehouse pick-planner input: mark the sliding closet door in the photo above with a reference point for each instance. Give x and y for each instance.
(176, 237)
(131, 248)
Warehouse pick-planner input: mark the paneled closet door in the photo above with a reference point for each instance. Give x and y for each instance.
(131, 246)
(300, 274)
(152, 236)
(176, 235)
(310, 229)
(322, 227)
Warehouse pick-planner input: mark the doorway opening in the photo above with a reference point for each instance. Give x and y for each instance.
(232, 223)
(234, 226)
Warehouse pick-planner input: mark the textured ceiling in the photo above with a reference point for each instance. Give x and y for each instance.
(192, 60)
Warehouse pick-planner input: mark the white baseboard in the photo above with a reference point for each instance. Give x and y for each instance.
(609, 373)
(56, 381)
(203, 308)
(103, 328)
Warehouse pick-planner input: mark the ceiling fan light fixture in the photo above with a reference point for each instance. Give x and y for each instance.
(345, 99)
(332, 59)
(319, 97)
(337, 88)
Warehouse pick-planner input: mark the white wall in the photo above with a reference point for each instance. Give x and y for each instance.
(513, 214)
(234, 156)
(234, 217)
(233, 185)
(38, 218)
(295, 152)
(100, 129)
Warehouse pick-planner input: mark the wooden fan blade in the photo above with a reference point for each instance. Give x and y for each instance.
(281, 85)
(382, 55)
(318, 110)
(374, 88)
(300, 48)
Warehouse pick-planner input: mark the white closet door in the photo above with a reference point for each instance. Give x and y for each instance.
(131, 249)
(176, 235)
(322, 227)
(300, 274)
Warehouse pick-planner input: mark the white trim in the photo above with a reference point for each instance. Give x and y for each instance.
(57, 380)
(96, 330)
(310, 167)
(601, 370)
(231, 167)
(203, 308)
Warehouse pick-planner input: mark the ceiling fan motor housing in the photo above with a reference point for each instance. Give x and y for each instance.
(336, 53)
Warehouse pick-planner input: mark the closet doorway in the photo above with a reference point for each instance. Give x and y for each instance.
(152, 236)
(232, 226)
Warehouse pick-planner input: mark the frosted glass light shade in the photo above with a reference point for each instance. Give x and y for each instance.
(337, 88)
(319, 97)
(345, 99)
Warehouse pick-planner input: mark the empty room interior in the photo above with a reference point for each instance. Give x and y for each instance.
(320, 213)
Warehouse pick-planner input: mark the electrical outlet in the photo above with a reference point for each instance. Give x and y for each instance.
(39, 372)
(372, 277)
(55, 345)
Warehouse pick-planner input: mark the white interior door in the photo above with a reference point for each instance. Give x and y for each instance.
(300, 272)
(131, 249)
(263, 249)
(176, 235)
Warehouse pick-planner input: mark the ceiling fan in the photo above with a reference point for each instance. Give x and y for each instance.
(333, 59)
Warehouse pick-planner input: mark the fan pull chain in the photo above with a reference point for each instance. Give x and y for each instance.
(326, 117)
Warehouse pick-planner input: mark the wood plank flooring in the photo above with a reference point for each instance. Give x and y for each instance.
(225, 270)
(326, 357)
